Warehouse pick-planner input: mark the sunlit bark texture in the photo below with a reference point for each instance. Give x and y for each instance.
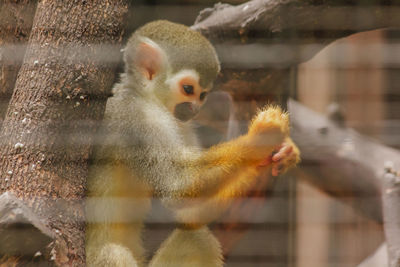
(15, 26)
(260, 40)
(59, 96)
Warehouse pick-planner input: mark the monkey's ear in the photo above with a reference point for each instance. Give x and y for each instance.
(149, 59)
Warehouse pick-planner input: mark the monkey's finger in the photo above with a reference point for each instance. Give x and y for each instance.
(275, 170)
(282, 167)
(285, 151)
(277, 149)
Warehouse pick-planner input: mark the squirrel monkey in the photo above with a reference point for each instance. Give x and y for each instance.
(147, 148)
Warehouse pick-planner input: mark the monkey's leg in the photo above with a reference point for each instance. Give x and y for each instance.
(110, 255)
(194, 248)
(114, 244)
(115, 210)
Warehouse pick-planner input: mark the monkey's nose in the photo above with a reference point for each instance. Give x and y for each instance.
(185, 111)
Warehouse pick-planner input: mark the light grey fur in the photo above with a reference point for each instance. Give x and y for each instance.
(143, 151)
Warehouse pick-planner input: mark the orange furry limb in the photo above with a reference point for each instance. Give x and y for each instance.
(222, 164)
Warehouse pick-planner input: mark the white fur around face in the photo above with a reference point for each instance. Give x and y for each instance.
(174, 79)
(173, 82)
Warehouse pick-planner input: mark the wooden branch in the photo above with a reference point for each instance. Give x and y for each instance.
(378, 258)
(21, 231)
(391, 214)
(258, 42)
(301, 28)
(345, 164)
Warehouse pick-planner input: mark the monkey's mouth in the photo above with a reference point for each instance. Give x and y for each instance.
(185, 111)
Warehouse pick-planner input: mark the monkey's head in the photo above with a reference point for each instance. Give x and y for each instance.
(173, 63)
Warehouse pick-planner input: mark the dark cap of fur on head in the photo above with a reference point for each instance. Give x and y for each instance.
(185, 48)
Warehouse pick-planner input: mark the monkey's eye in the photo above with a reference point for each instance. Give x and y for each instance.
(203, 96)
(188, 89)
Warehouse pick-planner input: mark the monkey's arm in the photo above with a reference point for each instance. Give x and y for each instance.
(239, 184)
(196, 176)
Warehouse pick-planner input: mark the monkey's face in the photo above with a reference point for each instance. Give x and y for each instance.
(187, 96)
(174, 80)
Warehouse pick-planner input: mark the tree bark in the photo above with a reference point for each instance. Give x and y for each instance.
(15, 26)
(19, 223)
(259, 42)
(59, 97)
(300, 28)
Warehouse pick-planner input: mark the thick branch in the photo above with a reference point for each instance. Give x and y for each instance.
(345, 164)
(21, 231)
(378, 258)
(391, 214)
(300, 28)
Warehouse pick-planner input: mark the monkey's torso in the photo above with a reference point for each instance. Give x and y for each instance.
(143, 151)
(131, 164)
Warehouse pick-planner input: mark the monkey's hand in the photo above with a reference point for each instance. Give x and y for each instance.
(267, 130)
(284, 157)
(270, 120)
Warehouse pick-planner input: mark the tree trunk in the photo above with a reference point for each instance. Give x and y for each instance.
(59, 96)
(15, 26)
